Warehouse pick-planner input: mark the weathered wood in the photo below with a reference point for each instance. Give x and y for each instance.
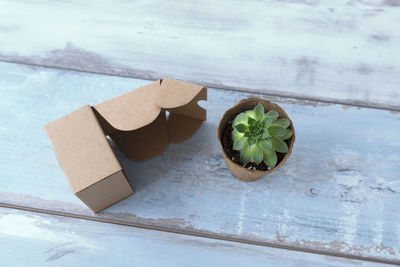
(32, 239)
(344, 51)
(338, 192)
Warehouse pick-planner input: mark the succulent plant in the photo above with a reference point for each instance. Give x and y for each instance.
(257, 135)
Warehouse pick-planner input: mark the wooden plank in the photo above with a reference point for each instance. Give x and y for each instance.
(34, 239)
(338, 192)
(344, 51)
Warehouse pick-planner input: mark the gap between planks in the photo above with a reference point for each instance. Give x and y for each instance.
(203, 235)
(150, 77)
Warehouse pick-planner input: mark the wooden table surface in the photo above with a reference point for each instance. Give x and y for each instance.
(334, 66)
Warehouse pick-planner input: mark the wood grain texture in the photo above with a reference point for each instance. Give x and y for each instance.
(339, 191)
(31, 239)
(345, 51)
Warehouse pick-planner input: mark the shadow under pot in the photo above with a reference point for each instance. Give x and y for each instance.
(273, 134)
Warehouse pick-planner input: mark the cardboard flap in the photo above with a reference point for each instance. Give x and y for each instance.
(140, 107)
(173, 93)
(192, 109)
(146, 142)
(131, 110)
(181, 128)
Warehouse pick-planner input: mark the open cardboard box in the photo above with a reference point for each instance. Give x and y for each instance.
(136, 121)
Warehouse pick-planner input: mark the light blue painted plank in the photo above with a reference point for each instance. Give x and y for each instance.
(34, 239)
(336, 50)
(338, 192)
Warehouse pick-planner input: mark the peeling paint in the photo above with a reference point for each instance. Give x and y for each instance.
(306, 69)
(241, 214)
(364, 70)
(58, 251)
(380, 37)
(392, 3)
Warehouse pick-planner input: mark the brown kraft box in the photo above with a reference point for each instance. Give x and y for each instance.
(137, 122)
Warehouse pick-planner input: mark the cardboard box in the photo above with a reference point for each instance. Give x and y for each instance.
(137, 122)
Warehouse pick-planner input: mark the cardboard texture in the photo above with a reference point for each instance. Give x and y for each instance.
(137, 122)
(238, 171)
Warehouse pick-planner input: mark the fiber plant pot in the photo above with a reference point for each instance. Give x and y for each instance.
(232, 157)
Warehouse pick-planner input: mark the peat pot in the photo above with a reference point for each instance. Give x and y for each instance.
(224, 131)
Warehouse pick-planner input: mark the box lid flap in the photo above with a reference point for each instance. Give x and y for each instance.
(131, 110)
(142, 106)
(173, 93)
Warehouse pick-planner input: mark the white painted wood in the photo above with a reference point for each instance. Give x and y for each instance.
(343, 51)
(34, 239)
(338, 192)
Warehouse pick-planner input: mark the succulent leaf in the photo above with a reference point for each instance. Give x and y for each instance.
(239, 144)
(245, 155)
(265, 134)
(241, 128)
(251, 121)
(251, 141)
(270, 158)
(265, 144)
(273, 114)
(282, 122)
(256, 154)
(250, 113)
(276, 130)
(287, 135)
(240, 118)
(279, 145)
(258, 112)
(266, 122)
(236, 135)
